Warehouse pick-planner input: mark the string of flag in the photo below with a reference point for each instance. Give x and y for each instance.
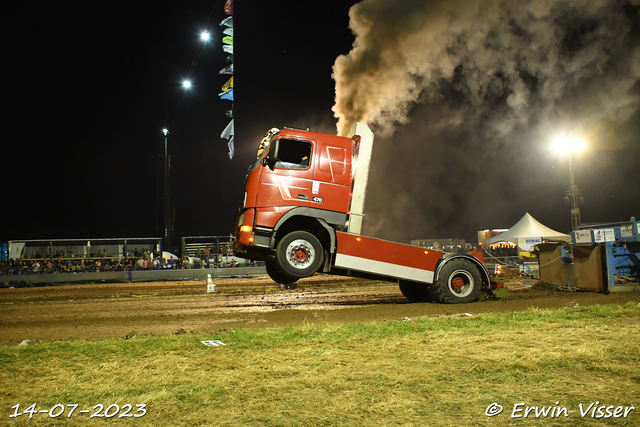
(227, 88)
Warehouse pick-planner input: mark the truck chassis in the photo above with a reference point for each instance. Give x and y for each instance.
(299, 236)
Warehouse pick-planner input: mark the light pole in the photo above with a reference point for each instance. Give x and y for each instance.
(167, 203)
(574, 197)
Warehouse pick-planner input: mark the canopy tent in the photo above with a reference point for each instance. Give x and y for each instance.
(528, 226)
(168, 255)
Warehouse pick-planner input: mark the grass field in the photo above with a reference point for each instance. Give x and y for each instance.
(434, 371)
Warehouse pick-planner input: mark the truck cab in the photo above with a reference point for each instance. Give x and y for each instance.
(300, 180)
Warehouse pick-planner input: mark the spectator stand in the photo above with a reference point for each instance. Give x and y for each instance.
(450, 245)
(137, 259)
(55, 256)
(211, 252)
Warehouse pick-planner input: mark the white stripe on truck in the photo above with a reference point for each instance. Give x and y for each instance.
(383, 268)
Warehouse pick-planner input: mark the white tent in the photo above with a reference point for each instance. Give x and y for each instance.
(528, 226)
(168, 255)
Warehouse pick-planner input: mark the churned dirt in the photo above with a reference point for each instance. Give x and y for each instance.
(91, 311)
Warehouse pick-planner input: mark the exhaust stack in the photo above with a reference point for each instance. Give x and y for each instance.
(365, 150)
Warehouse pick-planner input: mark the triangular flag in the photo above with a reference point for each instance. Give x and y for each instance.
(227, 48)
(228, 7)
(228, 131)
(227, 40)
(231, 147)
(228, 22)
(228, 31)
(228, 85)
(227, 70)
(227, 94)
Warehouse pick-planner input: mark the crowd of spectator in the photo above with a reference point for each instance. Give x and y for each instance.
(139, 260)
(502, 250)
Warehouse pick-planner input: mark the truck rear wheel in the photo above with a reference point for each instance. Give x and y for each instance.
(415, 292)
(459, 282)
(299, 254)
(277, 275)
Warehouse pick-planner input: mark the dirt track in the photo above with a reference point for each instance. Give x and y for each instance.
(118, 310)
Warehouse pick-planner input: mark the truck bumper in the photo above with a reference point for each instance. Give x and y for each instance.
(251, 243)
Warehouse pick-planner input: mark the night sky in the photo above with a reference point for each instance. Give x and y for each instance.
(91, 87)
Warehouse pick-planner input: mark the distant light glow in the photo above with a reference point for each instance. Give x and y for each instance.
(165, 131)
(564, 144)
(186, 84)
(204, 36)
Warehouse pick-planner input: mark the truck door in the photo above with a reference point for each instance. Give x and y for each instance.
(288, 185)
(331, 185)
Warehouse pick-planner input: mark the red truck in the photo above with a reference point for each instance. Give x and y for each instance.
(302, 213)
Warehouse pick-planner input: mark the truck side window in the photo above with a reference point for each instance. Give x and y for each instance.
(293, 154)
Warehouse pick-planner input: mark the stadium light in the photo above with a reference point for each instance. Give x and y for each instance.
(186, 84)
(205, 36)
(564, 145)
(568, 145)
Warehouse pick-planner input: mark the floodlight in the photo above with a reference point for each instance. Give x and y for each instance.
(564, 144)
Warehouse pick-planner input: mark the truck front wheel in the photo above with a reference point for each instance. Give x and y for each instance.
(458, 282)
(277, 275)
(299, 254)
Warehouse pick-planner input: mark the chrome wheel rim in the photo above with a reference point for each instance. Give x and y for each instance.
(300, 254)
(460, 283)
